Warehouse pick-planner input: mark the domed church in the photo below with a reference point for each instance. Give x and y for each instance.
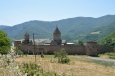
(56, 38)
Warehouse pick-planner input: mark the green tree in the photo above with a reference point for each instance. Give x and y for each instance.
(62, 56)
(4, 43)
(107, 42)
(80, 42)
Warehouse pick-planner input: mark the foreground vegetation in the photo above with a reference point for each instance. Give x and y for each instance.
(79, 66)
(26, 65)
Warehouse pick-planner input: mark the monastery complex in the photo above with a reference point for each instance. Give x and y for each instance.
(91, 48)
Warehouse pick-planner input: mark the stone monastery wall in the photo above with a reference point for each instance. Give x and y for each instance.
(103, 49)
(49, 49)
(70, 49)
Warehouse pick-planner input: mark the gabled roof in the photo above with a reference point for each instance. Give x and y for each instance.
(57, 31)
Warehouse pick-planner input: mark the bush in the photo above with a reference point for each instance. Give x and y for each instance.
(65, 60)
(20, 52)
(62, 56)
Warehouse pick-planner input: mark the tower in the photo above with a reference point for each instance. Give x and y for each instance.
(91, 48)
(26, 38)
(57, 36)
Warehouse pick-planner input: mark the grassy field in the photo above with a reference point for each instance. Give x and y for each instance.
(78, 66)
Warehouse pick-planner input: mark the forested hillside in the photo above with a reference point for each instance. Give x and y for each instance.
(108, 40)
(4, 26)
(98, 33)
(71, 28)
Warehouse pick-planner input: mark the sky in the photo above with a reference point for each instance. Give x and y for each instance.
(14, 12)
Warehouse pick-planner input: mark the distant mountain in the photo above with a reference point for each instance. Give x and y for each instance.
(3, 26)
(36, 27)
(14, 30)
(71, 28)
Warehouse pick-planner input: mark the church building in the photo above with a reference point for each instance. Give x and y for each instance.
(56, 38)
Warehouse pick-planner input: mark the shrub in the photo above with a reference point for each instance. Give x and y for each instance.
(65, 60)
(20, 52)
(62, 56)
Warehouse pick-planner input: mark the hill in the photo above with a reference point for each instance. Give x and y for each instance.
(3, 26)
(99, 33)
(109, 40)
(70, 28)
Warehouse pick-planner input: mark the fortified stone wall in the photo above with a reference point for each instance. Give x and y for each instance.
(71, 49)
(103, 49)
(76, 49)
(49, 49)
(29, 49)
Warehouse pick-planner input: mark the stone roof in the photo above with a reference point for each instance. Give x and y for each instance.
(57, 31)
(26, 33)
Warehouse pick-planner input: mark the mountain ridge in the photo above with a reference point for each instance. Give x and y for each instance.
(70, 28)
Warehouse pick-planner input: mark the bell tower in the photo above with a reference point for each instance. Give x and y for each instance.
(26, 38)
(57, 36)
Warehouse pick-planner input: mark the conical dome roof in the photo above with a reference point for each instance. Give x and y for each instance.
(27, 34)
(57, 31)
